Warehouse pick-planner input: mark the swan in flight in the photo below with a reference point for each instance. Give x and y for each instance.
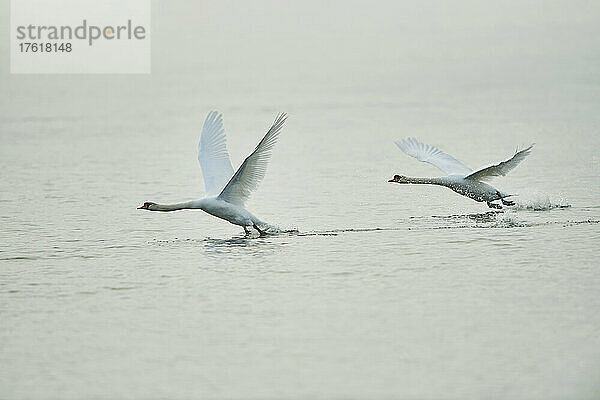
(226, 192)
(461, 178)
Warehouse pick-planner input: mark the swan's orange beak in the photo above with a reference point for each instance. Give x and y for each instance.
(143, 207)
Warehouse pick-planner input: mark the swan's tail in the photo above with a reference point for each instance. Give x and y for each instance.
(505, 195)
(262, 224)
(269, 228)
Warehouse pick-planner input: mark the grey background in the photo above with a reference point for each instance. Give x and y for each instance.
(385, 291)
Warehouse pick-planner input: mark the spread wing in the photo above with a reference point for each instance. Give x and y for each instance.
(254, 167)
(434, 156)
(501, 169)
(213, 156)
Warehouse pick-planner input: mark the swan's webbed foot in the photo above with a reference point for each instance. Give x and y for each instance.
(493, 205)
(262, 233)
(507, 202)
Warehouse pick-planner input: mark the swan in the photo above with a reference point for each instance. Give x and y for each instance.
(226, 192)
(461, 178)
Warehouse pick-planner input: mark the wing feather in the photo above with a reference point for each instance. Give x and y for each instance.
(434, 156)
(501, 169)
(254, 167)
(213, 155)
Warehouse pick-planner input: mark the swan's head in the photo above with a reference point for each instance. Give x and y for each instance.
(147, 206)
(399, 179)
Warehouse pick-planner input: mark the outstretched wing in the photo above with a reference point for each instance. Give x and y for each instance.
(501, 169)
(254, 167)
(213, 156)
(434, 156)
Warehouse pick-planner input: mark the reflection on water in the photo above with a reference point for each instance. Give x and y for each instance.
(489, 216)
(494, 219)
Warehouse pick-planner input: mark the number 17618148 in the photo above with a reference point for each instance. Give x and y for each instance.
(45, 47)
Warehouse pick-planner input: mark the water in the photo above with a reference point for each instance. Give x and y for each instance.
(371, 290)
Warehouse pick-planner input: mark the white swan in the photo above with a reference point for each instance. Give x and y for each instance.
(226, 192)
(460, 178)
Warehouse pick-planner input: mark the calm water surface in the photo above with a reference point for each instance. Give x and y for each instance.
(371, 290)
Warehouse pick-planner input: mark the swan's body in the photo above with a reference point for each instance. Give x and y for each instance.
(214, 206)
(227, 192)
(460, 178)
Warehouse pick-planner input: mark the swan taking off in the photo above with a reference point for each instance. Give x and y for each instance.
(460, 178)
(226, 192)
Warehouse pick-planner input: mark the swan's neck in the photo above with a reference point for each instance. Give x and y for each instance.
(194, 204)
(425, 181)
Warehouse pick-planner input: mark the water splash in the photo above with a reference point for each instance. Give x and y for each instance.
(274, 230)
(507, 220)
(490, 219)
(540, 203)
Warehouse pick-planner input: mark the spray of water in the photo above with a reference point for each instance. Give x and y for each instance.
(540, 202)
